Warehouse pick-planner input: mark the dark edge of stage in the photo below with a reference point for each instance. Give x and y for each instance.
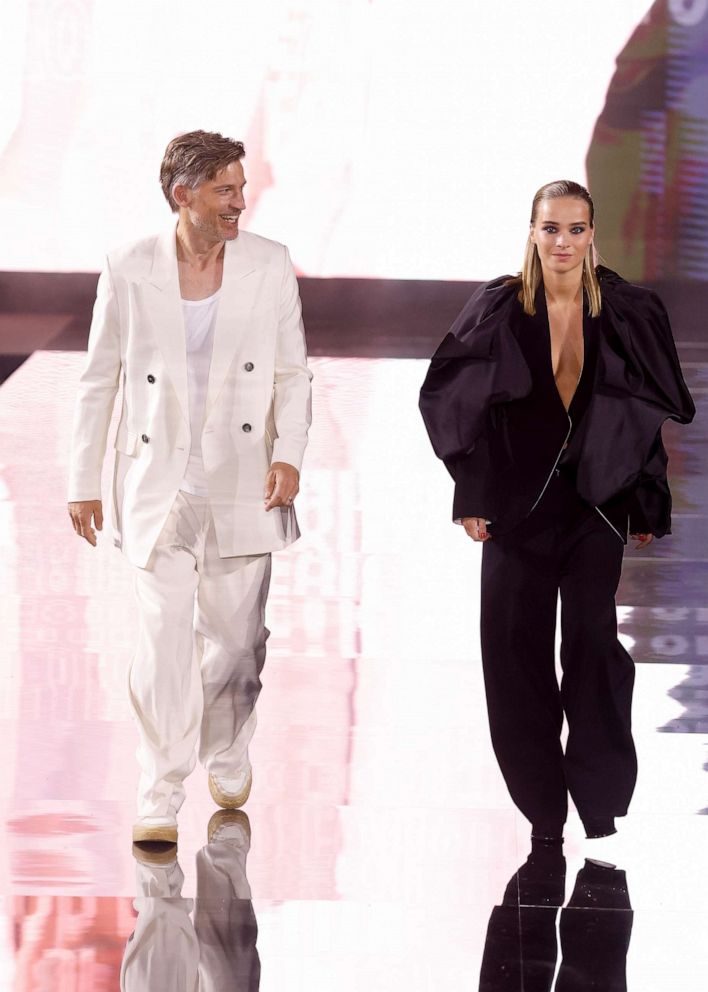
(347, 318)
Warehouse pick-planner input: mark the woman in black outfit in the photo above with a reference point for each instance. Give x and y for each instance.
(545, 402)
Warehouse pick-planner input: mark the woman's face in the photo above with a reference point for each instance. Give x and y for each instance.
(562, 233)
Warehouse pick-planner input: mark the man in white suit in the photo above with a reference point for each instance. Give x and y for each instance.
(202, 327)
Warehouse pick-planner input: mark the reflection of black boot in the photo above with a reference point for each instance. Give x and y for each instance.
(600, 886)
(521, 948)
(595, 930)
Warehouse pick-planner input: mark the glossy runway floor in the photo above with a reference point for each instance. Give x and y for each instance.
(382, 850)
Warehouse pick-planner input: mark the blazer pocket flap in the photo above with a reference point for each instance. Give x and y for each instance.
(126, 442)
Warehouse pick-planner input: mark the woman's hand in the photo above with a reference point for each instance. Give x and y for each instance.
(644, 540)
(476, 528)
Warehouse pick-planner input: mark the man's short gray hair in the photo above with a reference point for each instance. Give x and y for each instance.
(194, 158)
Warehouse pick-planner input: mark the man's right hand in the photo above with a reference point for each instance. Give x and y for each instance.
(476, 528)
(81, 514)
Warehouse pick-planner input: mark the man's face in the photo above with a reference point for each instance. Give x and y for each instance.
(214, 207)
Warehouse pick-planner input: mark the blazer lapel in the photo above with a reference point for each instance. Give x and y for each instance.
(234, 315)
(164, 309)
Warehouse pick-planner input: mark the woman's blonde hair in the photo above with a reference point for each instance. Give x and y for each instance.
(531, 275)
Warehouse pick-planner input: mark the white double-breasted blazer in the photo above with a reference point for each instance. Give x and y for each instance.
(258, 406)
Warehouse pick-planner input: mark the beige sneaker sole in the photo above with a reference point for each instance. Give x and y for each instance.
(167, 835)
(230, 800)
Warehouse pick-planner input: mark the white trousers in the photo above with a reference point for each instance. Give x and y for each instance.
(195, 675)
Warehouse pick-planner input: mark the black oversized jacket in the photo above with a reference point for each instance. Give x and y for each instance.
(494, 415)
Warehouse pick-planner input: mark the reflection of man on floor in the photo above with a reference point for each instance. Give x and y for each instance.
(215, 953)
(202, 327)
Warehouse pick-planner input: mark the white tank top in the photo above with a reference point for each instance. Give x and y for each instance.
(199, 323)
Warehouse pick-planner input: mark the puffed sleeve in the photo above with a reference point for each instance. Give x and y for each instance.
(649, 368)
(640, 385)
(479, 363)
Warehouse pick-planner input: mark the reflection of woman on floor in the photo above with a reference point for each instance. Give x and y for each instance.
(546, 401)
(215, 953)
(521, 949)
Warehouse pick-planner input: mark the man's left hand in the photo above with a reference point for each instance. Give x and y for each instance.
(282, 485)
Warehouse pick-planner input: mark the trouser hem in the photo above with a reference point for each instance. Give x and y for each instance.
(599, 826)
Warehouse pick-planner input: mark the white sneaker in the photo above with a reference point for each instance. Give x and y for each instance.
(230, 793)
(155, 828)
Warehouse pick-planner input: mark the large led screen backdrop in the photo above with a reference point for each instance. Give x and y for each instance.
(385, 138)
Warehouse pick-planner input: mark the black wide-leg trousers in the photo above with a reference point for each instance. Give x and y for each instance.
(564, 547)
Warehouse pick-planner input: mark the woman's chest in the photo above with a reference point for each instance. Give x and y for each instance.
(566, 346)
(557, 348)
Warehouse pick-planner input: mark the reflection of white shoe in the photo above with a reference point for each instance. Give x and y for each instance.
(230, 793)
(155, 855)
(155, 828)
(230, 826)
